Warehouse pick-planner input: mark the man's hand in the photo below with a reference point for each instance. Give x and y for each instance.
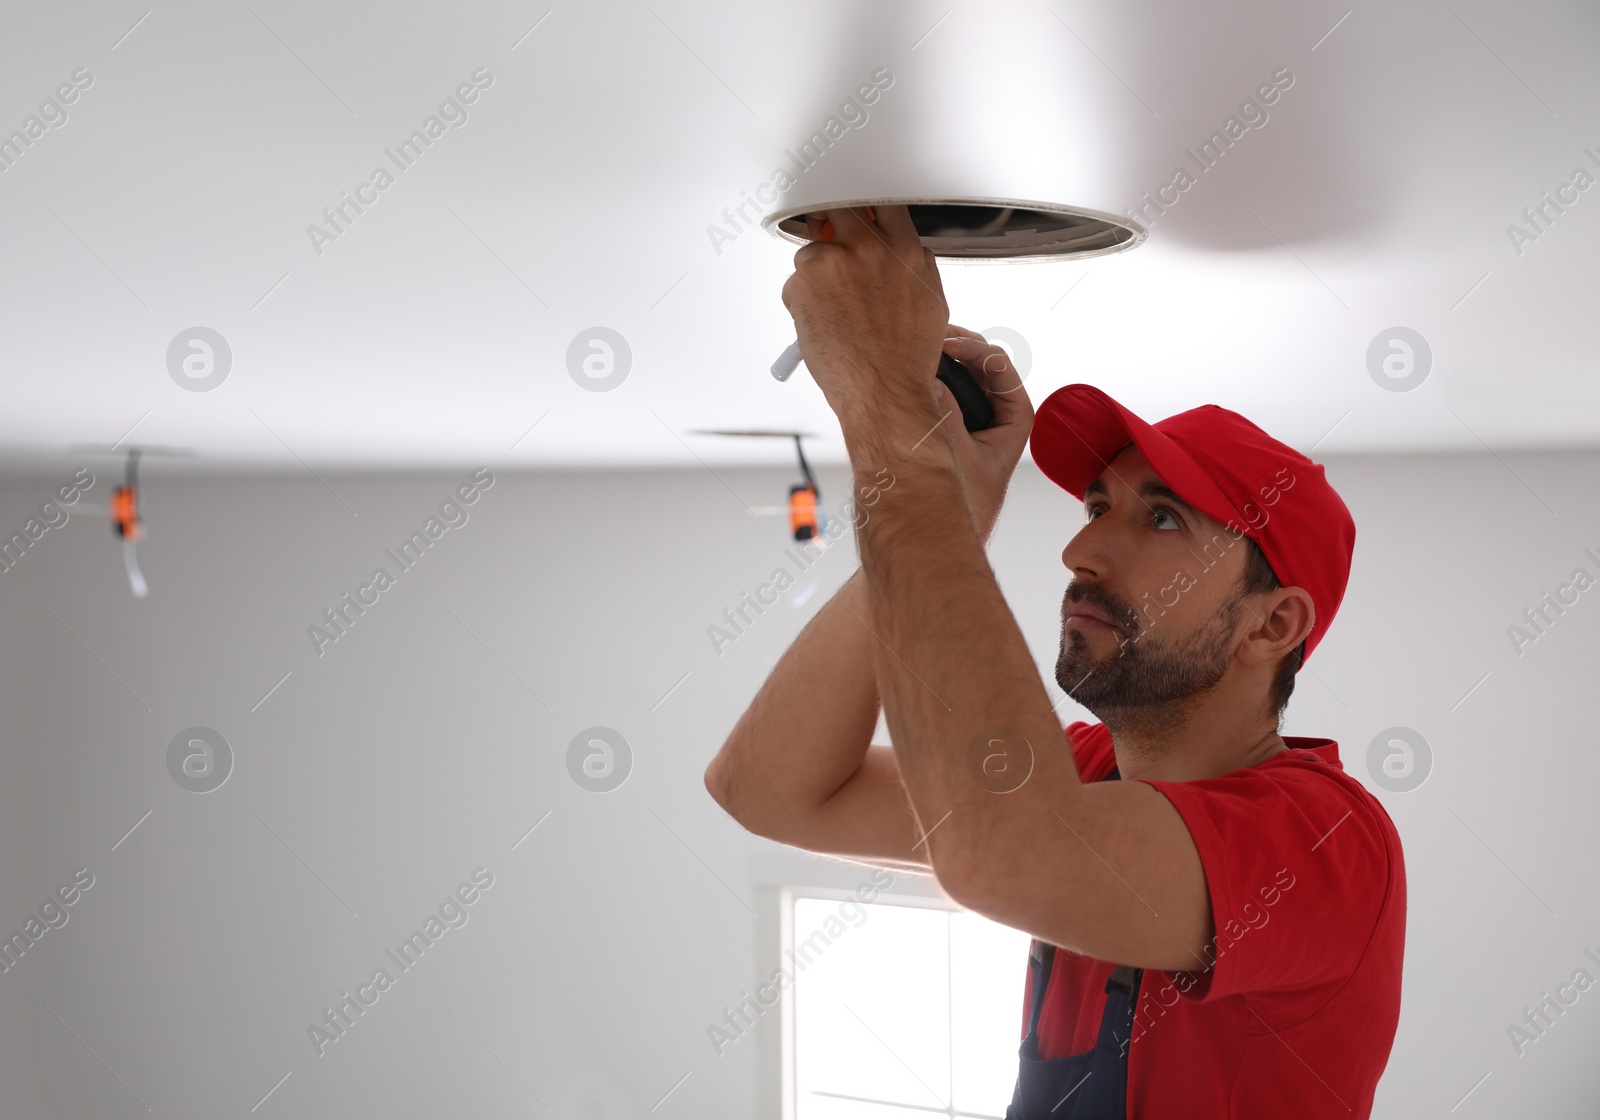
(986, 459)
(869, 313)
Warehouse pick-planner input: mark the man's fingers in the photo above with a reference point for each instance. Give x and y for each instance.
(890, 224)
(991, 365)
(987, 356)
(953, 331)
(850, 225)
(897, 226)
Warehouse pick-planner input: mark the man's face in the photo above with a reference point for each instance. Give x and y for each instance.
(1165, 578)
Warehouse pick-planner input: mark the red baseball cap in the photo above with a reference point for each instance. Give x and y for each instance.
(1222, 465)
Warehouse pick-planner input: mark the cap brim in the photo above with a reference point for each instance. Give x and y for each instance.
(1078, 430)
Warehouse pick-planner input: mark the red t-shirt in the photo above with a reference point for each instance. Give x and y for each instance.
(1292, 1011)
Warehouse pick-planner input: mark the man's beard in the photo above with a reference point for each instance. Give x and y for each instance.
(1129, 684)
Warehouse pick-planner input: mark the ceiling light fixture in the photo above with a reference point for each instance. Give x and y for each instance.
(977, 229)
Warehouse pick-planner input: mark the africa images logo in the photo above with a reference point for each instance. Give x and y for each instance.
(1205, 155)
(452, 515)
(452, 112)
(52, 114)
(852, 114)
(453, 913)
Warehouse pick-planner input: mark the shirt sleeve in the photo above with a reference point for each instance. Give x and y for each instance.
(1297, 866)
(1089, 745)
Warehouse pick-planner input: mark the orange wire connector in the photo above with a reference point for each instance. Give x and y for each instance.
(802, 512)
(125, 513)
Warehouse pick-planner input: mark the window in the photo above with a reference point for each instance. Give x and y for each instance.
(899, 1009)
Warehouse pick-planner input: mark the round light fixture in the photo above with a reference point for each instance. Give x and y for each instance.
(980, 229)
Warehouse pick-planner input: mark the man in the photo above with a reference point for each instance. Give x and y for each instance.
(1218, 911)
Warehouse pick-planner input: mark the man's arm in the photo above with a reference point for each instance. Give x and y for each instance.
(799, 766)
(1109, 869)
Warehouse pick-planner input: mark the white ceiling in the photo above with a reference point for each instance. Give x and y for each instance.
(579, 191)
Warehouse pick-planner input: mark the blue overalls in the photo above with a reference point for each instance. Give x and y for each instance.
(1088, 1086)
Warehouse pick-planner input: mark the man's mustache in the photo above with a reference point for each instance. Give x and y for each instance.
(1085, 594)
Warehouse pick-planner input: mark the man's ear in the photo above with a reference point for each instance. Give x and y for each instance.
(1280, 623)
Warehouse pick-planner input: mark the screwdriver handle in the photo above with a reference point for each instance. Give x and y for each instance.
(977, 413)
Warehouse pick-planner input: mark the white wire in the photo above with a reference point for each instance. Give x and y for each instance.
(135, 576)
(787, 362)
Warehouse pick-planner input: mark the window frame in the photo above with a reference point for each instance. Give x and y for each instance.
(787, 896)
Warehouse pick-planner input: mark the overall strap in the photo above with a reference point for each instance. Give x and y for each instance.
(1042, 955)
(1122, 1000)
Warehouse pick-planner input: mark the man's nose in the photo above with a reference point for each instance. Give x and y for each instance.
(1088, 554)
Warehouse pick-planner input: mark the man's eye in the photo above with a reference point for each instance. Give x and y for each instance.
(1159, 512)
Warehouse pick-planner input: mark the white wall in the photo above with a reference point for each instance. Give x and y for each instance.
(380, 774)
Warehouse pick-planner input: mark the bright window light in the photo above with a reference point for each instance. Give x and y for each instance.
(911, 1010)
